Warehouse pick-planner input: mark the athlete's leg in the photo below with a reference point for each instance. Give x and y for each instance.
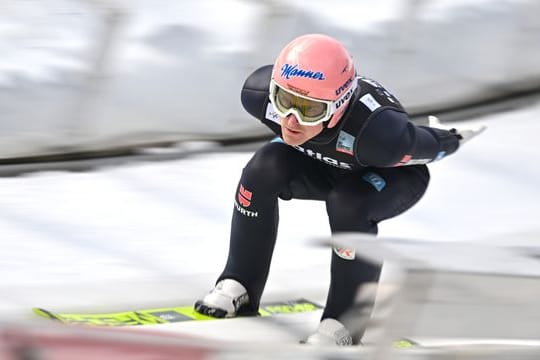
(357, 204)
(255, 217)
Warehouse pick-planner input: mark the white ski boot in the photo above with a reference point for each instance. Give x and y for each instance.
(330, 332)
(228, 298)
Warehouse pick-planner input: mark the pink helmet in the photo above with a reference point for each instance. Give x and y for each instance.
(315, 66)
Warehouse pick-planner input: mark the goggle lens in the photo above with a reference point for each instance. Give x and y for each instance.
(308, 111)
(311, 110)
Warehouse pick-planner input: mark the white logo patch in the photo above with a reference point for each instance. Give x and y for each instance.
(271, 114)
(370, 102)
(344, 253)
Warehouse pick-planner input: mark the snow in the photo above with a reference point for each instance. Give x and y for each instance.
(156, 233)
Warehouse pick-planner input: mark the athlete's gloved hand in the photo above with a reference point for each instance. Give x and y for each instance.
(464, 134)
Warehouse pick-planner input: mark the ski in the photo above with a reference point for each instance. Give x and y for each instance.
(168, 315)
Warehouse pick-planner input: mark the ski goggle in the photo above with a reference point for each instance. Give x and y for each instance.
(308, 111)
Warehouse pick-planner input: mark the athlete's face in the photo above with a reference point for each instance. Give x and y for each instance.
(295, 134)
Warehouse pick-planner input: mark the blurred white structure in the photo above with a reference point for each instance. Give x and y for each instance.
(100, 74)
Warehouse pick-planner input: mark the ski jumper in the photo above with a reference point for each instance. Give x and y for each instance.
(368, 168)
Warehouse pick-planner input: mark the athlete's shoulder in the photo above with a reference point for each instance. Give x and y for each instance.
(372, 93)
(254, 94)
(371, 101)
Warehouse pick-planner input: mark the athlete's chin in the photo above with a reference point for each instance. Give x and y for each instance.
(292, 137)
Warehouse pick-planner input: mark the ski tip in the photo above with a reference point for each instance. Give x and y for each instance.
(39, 311)
(44, 313)
(404, 343)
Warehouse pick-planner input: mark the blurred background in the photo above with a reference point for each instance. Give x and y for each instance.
(122, 138)
(90, 75)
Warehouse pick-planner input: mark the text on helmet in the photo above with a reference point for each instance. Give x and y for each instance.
(288, 71)
(344, 86)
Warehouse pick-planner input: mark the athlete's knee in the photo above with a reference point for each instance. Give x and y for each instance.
(349, 213)
(343, 204)
(269, 166)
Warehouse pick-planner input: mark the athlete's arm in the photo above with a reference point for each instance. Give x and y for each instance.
(390, 139)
